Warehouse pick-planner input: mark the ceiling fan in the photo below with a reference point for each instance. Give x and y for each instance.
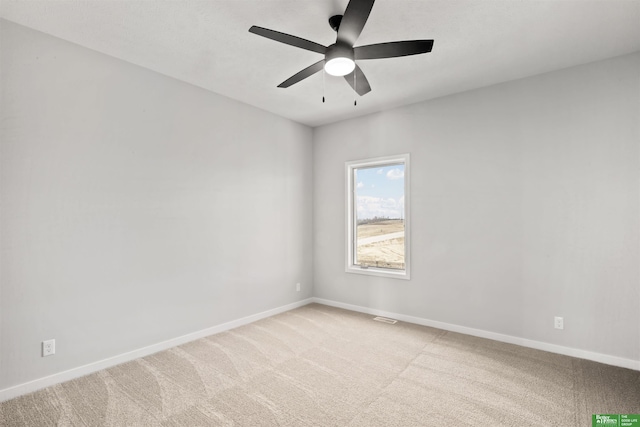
(339, 58)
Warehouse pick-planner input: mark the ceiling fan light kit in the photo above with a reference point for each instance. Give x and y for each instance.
(339, 58)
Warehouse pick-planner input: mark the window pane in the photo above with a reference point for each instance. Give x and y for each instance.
(379, 216)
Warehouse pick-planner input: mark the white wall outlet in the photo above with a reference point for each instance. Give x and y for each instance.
(48, 348)
(298, 287)
(558, 322)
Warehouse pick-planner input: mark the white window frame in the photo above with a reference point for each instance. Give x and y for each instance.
(351, 217)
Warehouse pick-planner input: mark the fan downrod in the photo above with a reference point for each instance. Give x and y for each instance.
(334, 21)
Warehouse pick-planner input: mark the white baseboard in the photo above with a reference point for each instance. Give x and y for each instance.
(538, 345)
(40, 383)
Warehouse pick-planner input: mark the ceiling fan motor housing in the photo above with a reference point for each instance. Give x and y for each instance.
(339, 50)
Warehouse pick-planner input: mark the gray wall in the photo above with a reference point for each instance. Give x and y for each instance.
(524, 202)
(136, 208)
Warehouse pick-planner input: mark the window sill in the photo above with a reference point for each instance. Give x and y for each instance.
(379, 272)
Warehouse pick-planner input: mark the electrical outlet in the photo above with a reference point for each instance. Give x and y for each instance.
(558, 322)
(48, 348)
(297, 287)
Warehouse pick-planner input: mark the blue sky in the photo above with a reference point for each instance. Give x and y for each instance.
(380, 192)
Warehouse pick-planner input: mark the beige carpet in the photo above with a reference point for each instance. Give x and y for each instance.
(322, 366)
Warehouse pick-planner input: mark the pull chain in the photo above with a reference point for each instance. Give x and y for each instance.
(323, 72)
(355, 85)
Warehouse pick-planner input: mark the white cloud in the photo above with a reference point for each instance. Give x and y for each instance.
(369, 207)
(395, 174)
(360, 185)
(380, 171)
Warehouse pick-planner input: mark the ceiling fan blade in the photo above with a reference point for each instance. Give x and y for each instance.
(288, 39)
(353, 20)
(361, 83)
(393, 49)
(307, 72)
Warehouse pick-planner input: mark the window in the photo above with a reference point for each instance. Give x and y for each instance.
(378, 216)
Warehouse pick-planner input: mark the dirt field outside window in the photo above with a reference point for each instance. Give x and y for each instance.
(381, 244)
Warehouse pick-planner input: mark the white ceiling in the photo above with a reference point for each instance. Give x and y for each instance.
(207, 43)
